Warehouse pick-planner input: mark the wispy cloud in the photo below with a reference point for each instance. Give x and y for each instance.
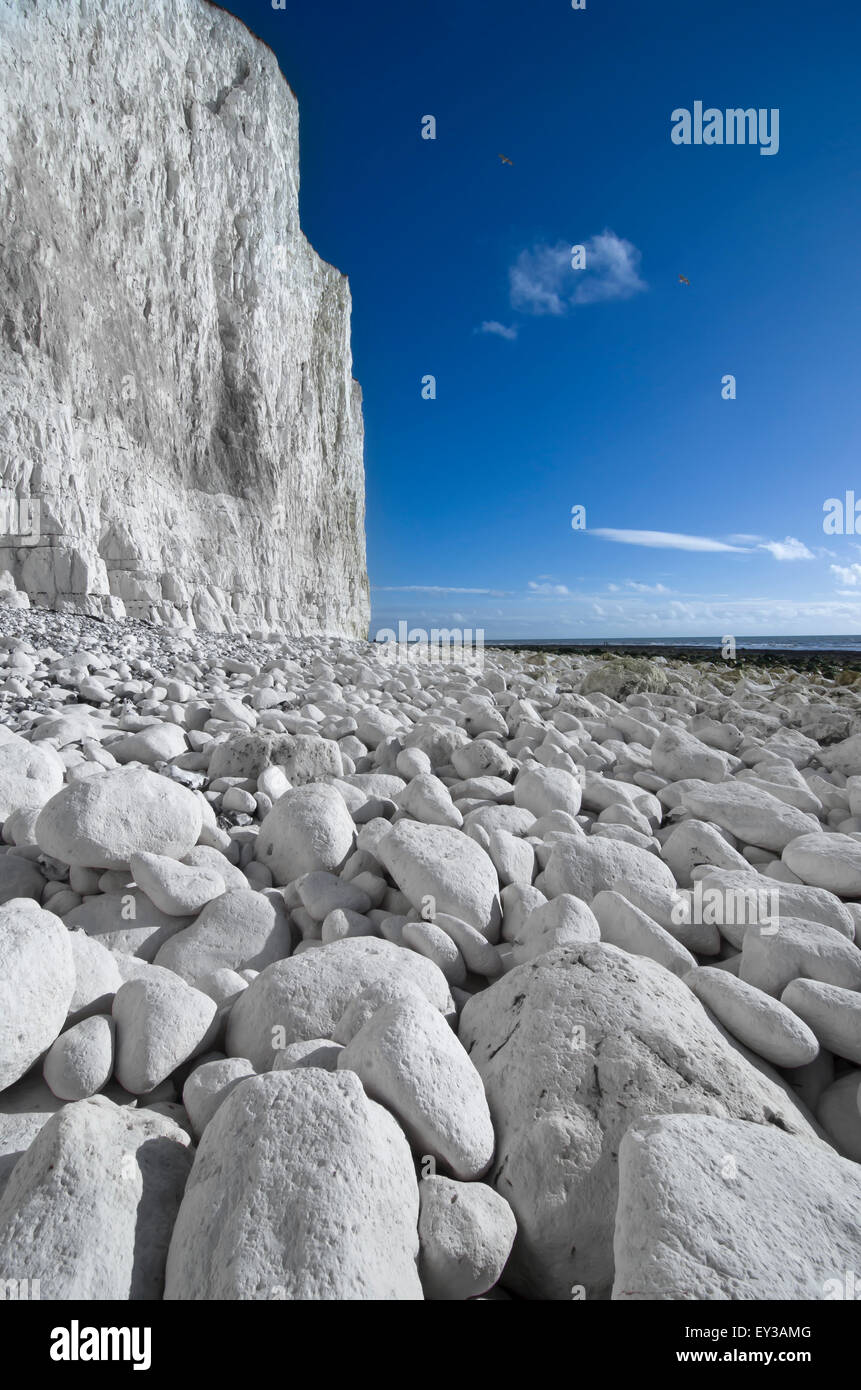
(647, 588)
(543, 281)
(663, 540)
(559, 589)
(498, 329)
(788, 549)
(434, 589)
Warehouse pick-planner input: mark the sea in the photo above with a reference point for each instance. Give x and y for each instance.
(847, 642)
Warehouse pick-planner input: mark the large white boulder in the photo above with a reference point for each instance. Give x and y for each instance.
(240, 930)
(308, 828)
(127, 921)
(29, 775)
(586, 867)
(37, 983)
(305, 996)
(716, 1208)
(88, 1210)
(755, 816)
(161, 1021)
(832, 1012)
(572, 1048)
(437, 862)
(826, 861)
(302, 1189)
(694, 842)
(677, 754)
(545, 789)
(302, 758)
(762, 1023)
(81, 1061)
(100, 822)
(771, 958)
(180, 890)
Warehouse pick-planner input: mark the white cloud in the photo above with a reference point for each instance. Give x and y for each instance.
(499, 329)
(847, 574)
(559, 589)
(542, 280)
(662, 540)
(788, 549)
(611, 270)
(647, 588)
(538, 277)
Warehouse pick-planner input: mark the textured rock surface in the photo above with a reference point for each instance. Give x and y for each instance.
(718, 1209)
(37, 982)
(305, 996)
(176, 363)
(302, 1189)
(89, 1208)
(408, 1059)
(466, 1231)
(572, 1049)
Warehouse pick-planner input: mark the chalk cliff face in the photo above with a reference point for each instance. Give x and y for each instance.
(175, 366)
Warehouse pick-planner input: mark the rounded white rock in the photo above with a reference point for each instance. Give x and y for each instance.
(762, 1023)
(832, 1012)
(466, 1231)
(408, 1058)
(101, 822)
(161, 1022)
(177, 889)
(37, 984)
(439, 946)
(81, 1060)
(827, 861)
(308, 828)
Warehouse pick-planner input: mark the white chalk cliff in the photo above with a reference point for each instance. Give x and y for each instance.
(175, 368)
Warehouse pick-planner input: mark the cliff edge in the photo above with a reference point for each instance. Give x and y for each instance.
(176, 384)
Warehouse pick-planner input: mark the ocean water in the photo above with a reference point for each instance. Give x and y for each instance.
(849, 642)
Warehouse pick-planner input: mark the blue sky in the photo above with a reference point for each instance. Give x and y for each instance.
(599, 387)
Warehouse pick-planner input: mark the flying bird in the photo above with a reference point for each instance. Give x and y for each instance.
(506, 160)
(683, 279)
